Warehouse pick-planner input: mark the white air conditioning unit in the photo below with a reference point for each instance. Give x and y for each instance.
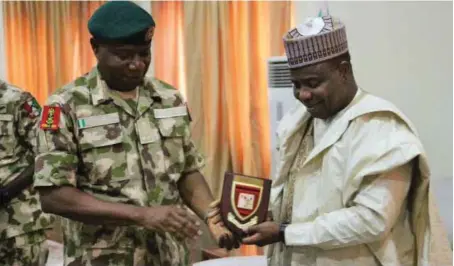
(280, 97)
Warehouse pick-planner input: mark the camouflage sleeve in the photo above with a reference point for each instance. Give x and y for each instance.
(57, 160)
(193, 158)
(26, 122)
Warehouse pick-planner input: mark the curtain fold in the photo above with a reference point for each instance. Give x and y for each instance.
(47, 43)
(168, 43)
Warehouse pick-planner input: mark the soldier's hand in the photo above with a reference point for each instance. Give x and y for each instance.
(171, 219)
(221, 234)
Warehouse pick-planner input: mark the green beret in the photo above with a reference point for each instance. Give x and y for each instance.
(121, 22)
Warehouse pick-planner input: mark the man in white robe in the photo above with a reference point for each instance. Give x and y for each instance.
(352, 185)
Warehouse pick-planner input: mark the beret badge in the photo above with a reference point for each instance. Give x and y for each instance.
(149, 34)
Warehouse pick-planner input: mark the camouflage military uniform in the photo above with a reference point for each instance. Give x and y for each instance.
(22, 223)
(131, 152)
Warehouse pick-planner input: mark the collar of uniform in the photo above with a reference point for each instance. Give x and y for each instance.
(150, 88)
(100, 91)
(98, 88)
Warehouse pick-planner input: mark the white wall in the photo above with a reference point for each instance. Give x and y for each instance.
(402, 51)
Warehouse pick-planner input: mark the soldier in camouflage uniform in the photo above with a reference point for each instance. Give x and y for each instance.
(22, 222)
(116, 157)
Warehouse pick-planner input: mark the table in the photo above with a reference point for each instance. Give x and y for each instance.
(229, 261)
(217, 253)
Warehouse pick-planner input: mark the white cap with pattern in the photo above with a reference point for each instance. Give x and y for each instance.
(316, 40)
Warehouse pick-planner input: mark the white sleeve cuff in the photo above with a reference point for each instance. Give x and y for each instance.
(298, 234)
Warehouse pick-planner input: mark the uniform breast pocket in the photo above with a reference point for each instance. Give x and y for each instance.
(173, 131)
(103, 154)
(7, 136)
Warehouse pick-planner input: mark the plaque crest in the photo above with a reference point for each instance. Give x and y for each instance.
(244, 201)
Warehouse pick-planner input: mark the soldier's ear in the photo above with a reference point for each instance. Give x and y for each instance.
(94, 46)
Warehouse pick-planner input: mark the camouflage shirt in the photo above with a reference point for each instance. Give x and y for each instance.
(19, 113)
(117, 153)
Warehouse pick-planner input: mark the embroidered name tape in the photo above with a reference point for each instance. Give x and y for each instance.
(6, 117)
(51, 118)
(98, 120)
(170, 112)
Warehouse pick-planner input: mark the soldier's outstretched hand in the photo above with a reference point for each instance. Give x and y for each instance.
(170, 219)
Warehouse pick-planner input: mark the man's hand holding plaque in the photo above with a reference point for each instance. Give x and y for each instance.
(223, 237)
(244, 202)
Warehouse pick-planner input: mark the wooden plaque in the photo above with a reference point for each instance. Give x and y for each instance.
(244, 201)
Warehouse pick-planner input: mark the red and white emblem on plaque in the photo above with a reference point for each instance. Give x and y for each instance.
(245, 199)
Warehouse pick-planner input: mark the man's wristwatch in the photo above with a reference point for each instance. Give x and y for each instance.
(282, 232)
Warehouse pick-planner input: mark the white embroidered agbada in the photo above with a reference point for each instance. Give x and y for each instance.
(352, 202)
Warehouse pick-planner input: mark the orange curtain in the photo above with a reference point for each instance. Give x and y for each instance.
(47, 43)
(168, 54)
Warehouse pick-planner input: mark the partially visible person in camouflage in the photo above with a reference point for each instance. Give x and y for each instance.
(22, 222)
(115, 156)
